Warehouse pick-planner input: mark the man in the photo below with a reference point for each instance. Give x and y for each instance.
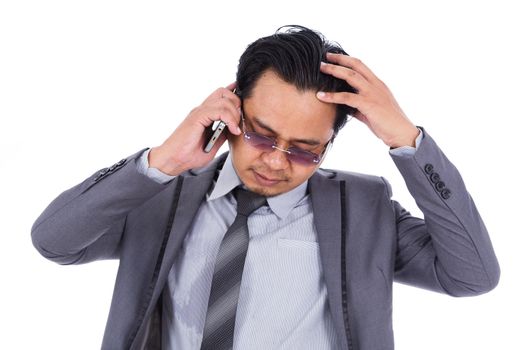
(324, 247)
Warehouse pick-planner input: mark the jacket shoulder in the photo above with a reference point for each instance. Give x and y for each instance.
(372, 184)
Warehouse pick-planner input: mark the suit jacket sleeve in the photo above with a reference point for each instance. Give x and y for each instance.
(450, 250)
(86, 222)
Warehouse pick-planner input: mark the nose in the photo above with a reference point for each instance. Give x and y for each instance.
(276, 159)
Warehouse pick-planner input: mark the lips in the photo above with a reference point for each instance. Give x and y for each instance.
(267, 178)
(265, 181)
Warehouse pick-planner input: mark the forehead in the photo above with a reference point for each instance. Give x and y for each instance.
(292, 113)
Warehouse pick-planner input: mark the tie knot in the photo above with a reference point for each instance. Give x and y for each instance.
(248, 201)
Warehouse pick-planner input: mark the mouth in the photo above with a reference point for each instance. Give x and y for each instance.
(265, 181)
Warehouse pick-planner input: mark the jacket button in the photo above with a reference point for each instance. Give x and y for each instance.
(429, 169)
(121, 162)
(104, 171)
(113, 167)
(446, 193)
(434, 177)
(440, 186)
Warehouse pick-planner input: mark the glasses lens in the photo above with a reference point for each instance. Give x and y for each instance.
(302, 157)
(259, 141)
(267, 144)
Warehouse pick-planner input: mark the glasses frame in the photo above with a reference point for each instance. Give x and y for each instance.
(316, 159)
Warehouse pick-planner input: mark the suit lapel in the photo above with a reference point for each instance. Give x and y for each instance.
(193, 192)
(326, 201)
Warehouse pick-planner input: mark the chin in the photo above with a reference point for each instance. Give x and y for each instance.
(264, 191)
(267, 191)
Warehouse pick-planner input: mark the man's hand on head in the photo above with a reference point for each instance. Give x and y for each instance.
(376, 105)
(183, 149)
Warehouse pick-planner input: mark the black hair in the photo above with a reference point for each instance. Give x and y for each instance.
(295, 54)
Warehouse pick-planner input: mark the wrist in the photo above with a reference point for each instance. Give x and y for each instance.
(407, 138)
(165, 163)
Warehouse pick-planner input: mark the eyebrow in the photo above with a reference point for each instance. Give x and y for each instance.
(310, 142)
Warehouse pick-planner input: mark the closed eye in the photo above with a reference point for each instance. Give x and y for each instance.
(308, 142)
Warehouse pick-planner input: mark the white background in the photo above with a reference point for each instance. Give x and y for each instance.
(84, 84)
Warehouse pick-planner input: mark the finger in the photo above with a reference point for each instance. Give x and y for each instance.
(222, 93)
(352, 62)
(224, 111)
(346, 98)
(361, 117)
(231, 96)
(347, 74)
(225, 93)
(232, 102)
(364, 119)
(232, 86)
(232, 115)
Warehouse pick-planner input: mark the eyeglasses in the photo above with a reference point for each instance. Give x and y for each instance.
(293, 154)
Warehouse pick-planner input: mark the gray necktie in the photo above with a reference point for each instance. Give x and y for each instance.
(226, 283)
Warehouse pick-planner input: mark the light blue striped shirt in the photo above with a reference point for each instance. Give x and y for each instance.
(283, 300)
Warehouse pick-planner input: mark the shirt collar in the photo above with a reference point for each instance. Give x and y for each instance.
(281, 204)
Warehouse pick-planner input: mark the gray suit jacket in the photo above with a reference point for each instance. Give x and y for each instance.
(366, 241)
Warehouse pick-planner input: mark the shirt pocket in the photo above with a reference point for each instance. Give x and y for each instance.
(300, 260)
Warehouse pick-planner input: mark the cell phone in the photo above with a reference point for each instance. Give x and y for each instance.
(216, 132)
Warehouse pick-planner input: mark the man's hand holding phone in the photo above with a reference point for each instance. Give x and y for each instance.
(185, 148)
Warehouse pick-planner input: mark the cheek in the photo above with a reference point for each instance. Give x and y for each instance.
(301, 174)
(242, 156)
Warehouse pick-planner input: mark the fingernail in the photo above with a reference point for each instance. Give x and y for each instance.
(321, 94)
(323, 63)
(239, 130)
